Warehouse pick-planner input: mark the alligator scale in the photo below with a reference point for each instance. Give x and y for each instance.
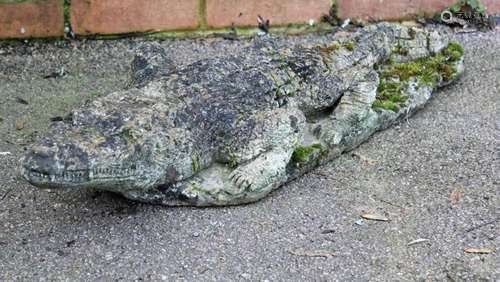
(229, 130)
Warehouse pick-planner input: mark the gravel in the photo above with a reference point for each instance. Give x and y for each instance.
(435, 177)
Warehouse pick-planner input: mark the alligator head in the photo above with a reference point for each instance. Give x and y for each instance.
(102, 145)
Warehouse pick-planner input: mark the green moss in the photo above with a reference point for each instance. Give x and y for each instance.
(350, 45)
(387, 105)
(334, 46)
(305, 154)
(67, 11)
(126, 134)
(195, 162)
(94, 95)
(389, 96)
(232, 162)
(454, 51)
(195, 187)
(429, 69)
(292, 29)
(391, 91)
(455, 55)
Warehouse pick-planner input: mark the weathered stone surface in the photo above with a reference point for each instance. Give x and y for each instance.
(229, 130)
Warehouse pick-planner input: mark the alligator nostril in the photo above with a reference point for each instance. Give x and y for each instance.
(42, 151)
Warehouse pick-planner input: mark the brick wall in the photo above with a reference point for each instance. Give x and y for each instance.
(46, 18)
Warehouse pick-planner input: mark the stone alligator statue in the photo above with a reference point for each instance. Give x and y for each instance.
(230, 130)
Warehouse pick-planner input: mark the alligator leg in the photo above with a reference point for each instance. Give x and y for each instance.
(262, 174)
(353, 120)
(150, 62)
(253, 169)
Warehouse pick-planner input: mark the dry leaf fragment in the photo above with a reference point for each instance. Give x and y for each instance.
(365, 159)
(314, 253)
(478, 250)
(376, 217)
(455, 196)
(19, 124)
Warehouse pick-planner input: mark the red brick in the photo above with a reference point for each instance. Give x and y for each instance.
(32, 19)
(493, 6)
(373, 10)
(224, 13)
(123, 16)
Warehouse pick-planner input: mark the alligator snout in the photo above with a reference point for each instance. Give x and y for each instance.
(53, 165)
(43, 151)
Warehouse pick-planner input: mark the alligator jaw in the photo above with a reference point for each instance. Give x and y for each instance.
(67, 178)
(77, 178)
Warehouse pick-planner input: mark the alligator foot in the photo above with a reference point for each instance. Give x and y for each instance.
(261, 174)
(249, 182)
(354, 113)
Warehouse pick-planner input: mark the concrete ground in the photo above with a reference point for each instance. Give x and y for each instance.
(436, 177)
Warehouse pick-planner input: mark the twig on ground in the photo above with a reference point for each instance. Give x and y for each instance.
(6, 194)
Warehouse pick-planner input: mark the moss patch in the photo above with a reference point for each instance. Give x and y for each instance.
(454, 51)
(429, 71)
(232, 162)
(195, 162)
(387, 105)
(390, 96)
(305, 154)
(350, 45)
(334, 46)
(125, 133)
